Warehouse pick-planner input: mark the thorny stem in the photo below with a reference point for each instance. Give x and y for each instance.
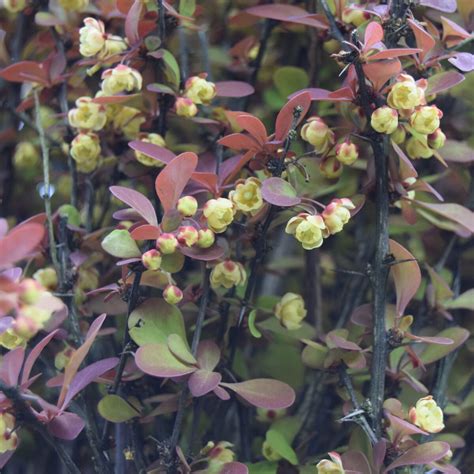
(46, 193)
(24, 413)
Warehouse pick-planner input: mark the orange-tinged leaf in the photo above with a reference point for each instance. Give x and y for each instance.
(393, 53)
(423, 39)
(453, 34)
(254, 126)
(20, 242)
(373, 35)
(285, 118)
(419, 455)
(380, 72)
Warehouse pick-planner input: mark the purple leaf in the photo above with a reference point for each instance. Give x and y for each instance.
(422, 454)
(279, 192)
(448, 6)
(208, 355)
(463, 61)
(276, 11)
(341, 343)
(234, 89)
(136, 201)
(11, 365)
(443, 81)
(234, 468)
(87, 375)
(264, 393)
(156, 152)
(66, 426)
(355, 461)
(285, 120)
(132, 20)
(379, 451)
(203, 381)
(34, 354)
(206, 255)
(221, 393)
(402, 427)
(5, 457)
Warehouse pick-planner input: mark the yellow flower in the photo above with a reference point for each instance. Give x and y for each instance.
(187, 235)
(185, 107)
(85, 147)
(405, 94)
(247, 196)
(87, 166)
(399, 135)
(10, 339)
(330, 467)
(307, 229)
(347, 153)
(437, 139)
(426, 119)
(47, 277)
(26, 156)
(91, 37)
(113, 45)
(228, 274)
(121, 79)
(187, 206)
(156, 139)
(384, 120)
(418, 147)
(219, 455)
(336, 214)
(172, 294)
(87, 115)
(206, 238)
(62, 358)
(317, 133)
(219, 214)
(167, 243)
(8, 438)
(152, 260)
(14, 6)
(269, 453)
(354, 15)
(290, 311)
(427, 415)
(128, 120)
(73, 5)
(199, 90)
(330, 167)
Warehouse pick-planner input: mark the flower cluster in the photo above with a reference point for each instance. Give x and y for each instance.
(407, 113)
(95, 42)
(197, 91)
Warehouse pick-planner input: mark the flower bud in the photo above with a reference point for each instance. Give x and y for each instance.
(336, 215)
(220, 454)
(91, 37)
(426, 119)
(334, 466)
(152, 259)
(219, 214)
(354, 15)
(418, 148)
(167, 243)
(30, 291)
(427, 415)
(47, 277)
(307, 229)
(62, 358)
(347, 153)
(185, 107)
(9, 339)
(187, 206)
(73, 5)
(113, 45)
(437, 139)
(228, 274)
(121, 79)
(172, 294)
(14, 6)
(87, 166)
(8, 437)
(405, 94)
(317, 133)
(87, 115)
(187, 235)
(290, 311)
(269, 453)
(206, 238)
(156, 139)
(399, 135)
(247, 196)
(85, 147)
(26, 156)
(199, 90)
(384, 120)
(330, 167)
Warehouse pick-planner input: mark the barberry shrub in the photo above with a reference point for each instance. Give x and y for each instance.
(236, 236)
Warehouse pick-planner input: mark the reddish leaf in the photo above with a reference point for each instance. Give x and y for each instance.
(234, 467)
(373, 35)
(173, 179)
(341, 343)
(221, 393)
(239, 141)
(243, 160)
(208, 180)
(355, 461)
(406, 275)
(66, 426)
(448, 6)
(136, 201)
(264, 393)
(208, 355)
(423, 39)
(202, 382)
(421, 454)
(276, 11)
(26, 71)
(393, 53)
(285, 119)
(153, 151)
(401, 426)
(234, 89)
(114, 99)
(279, 192)
(455, 212)
(132, 20)
(443, 81)
(20, 242)
(145, 232)
(453, 34)
(381, 72)
(344, 94)
(315, 20)
(254, 126)
(11, 364)
(443, 341)
(205, 255)
(463, 61)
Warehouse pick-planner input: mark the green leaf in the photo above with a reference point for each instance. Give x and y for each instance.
(464, 301)
(172, 263)
(71, 213)
(289, 427)
(281, 446)
(120, 244)
(264, 467)
(289, 79)
(314, 354)
(252, 328)
(154, 320)
(441, 288)
(187, 7)
(115, 409)
(180, 349)
(434, 352)
(172, 73)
